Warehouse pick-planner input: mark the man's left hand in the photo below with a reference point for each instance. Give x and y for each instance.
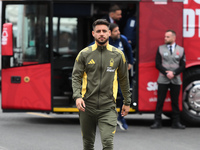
(129, 66)
(125, 110)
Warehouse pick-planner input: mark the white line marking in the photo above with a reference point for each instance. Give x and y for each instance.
(39, 114)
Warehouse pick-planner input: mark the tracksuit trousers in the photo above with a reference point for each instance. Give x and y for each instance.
(106, 120)
(174, 93)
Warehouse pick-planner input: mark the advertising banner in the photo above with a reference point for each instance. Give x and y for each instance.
(7, 40)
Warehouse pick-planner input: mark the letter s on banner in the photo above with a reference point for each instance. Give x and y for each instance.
(7, 40)
(152, 86)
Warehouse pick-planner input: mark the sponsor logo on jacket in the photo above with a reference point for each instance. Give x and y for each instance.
(110, 69)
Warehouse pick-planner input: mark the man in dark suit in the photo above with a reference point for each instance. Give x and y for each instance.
(114, 15)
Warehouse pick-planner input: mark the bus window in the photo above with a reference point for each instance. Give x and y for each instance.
(30, 27)
(65, 35)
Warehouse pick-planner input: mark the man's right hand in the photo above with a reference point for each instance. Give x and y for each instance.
(170, 74)
(80, 104)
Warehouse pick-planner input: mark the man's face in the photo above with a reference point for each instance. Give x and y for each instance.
(169, 38)
(117, 15)
(115, 34)
(101, 34)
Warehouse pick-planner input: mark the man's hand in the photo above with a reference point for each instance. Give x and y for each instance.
(125, 110)
(129, 66)
(170, 74)
(80, 104)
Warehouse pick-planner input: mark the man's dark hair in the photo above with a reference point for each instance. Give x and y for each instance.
(125, 46)
(114, 8)
(100, 22)
(112, 26)
(172, 31)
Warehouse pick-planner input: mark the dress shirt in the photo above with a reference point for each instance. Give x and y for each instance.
(173, 47)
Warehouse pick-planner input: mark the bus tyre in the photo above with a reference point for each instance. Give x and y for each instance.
(191, 97)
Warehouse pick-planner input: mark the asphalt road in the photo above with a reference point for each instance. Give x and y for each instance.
(37, 131)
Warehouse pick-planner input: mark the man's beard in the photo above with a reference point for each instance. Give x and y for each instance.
(101, 42)
(116, 37)
(169, 42)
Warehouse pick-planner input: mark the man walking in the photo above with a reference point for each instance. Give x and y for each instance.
(95, 86)
(121, 42)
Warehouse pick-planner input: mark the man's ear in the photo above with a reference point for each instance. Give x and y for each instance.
(111, 14)
(109, 33)
(93, 33)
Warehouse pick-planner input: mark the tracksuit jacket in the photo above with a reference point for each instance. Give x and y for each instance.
(95, 76)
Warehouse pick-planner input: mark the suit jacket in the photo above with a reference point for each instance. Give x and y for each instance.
(106, 17)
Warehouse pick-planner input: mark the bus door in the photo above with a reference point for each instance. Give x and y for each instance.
(70, 29)
(155, 18)
(26, 70)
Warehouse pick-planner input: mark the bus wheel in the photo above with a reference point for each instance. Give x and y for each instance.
(191, 96)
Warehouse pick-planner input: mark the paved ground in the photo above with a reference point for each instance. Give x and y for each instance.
(36, 131)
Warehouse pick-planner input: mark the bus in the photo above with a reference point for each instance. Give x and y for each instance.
(41, 39)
